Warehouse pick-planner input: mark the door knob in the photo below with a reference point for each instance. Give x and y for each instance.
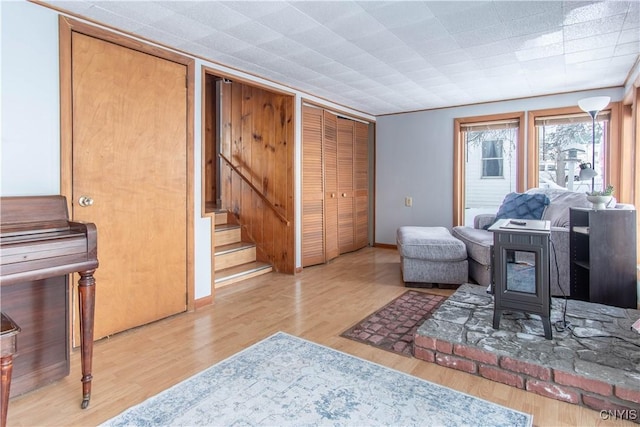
(85, 201)
(344, 194)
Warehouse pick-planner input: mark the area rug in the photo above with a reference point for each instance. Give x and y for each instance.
(287, 381)
(393, 326)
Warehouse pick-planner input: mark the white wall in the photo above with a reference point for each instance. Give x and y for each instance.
(30, 147)
(30, 150)
(414, 157)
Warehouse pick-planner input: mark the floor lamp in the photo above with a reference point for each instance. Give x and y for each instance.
(592, 106)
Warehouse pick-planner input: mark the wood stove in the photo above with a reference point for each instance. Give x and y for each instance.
(521, 269)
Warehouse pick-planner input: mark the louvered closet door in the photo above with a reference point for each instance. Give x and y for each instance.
(330, 155)
(361, 184)
(312, 187)
(346, 235)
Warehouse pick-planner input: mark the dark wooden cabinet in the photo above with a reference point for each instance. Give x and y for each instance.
(603, 256)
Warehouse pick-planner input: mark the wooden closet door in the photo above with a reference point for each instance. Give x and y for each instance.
(330, 155)
(129, 154)
(361, 184)
(346, 235)
(312, 187)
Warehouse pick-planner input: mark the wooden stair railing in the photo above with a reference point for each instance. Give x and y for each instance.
(268, 202)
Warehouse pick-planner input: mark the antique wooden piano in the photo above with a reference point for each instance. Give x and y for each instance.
(39, 248)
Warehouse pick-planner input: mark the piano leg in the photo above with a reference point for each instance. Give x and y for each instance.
(86, 291)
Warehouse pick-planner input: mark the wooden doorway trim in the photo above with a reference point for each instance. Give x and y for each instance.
(65, 29)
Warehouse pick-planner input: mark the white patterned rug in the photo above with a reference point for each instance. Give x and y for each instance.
(288, 381)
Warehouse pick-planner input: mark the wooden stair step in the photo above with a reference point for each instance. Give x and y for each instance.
(227, 233)
(233, 247)
(225, 227)
(240, 272)
(220, 217)
(234, 254)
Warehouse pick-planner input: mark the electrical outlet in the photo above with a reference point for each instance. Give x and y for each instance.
(408, 201)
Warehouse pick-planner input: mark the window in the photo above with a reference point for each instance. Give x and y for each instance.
(487, 165)
(563, 138)
(492, 159)
(568, 143)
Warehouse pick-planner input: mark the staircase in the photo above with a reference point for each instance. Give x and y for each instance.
(235, 258)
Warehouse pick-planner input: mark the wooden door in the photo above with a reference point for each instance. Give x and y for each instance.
(312, 187)
(331, 196)
(129, 153)
(361, 184)
(346, 235)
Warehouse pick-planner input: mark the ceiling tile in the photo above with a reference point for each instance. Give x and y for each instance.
(515, 10)
(398, 13)
(589, 55)
(384, 57)
(253, 33)
(214, 15)
(288, 21)
(325, 12)
(253, 9)
(589, 43)
(481, 36)
(581, 12)
(222, 42)
(531, 41)
(541, 23)
(592, 28)
(540, 52)
(182, 27)
(144, 12)
(479, 15)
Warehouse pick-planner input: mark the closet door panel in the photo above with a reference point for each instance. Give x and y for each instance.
(361, 184)
(346, 220)
(312, 187)
(330, 157)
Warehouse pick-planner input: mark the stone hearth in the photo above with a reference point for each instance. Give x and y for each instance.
(595, 363)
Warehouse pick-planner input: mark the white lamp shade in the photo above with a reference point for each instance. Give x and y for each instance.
(595, 103)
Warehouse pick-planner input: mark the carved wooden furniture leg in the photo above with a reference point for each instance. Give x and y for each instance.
(8, 346)
(86, 292)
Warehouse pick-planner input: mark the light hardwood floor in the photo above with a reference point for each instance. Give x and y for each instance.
(317, 304)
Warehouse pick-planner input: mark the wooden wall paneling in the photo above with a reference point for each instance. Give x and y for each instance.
(624, 192)
(269, 147)
(210, 131)
(361, 184)
(331, 195)
(346, 218)
(225, 143)
(613, 149)
(312, 187)
(260, 130)
(236, 146)
(245, 161)
(289, 154)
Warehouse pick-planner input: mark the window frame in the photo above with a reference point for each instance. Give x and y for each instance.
(612, 151)
(460, 154)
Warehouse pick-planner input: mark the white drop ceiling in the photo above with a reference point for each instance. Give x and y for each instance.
(383, 57)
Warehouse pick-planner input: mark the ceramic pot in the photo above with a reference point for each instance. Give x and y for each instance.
(599, 202)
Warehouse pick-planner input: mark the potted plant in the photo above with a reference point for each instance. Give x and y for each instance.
(600, 199)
